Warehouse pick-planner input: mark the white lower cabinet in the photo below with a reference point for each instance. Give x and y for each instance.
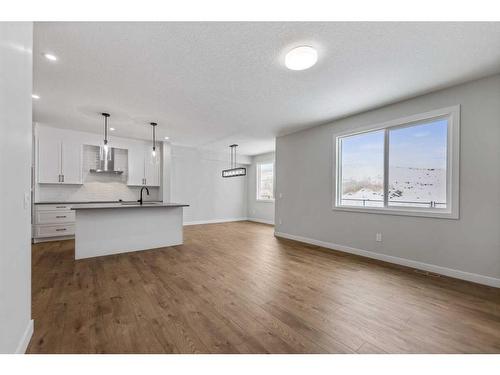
(50, 230)
(53, 222)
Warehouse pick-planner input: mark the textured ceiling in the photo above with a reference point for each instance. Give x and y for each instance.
(213, 84)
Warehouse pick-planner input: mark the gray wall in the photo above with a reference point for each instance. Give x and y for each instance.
(470, 244)
(16, 45)
(196, 179)
(258, 211)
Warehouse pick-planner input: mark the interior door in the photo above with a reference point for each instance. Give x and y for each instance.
(71, 161)
(49, 159)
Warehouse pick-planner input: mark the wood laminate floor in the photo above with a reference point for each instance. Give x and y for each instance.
(235, 288)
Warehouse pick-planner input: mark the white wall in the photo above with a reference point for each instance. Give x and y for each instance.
(468, 248)
(96, 187)
(196, 179)
(16, 43)
(258, 211)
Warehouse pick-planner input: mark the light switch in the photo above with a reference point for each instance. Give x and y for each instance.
(27, 200)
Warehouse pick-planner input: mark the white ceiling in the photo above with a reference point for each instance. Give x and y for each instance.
(212, 84)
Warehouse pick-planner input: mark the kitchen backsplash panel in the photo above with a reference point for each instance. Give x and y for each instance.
(96, 186)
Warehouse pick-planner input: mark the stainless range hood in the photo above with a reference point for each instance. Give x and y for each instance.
(106, 161)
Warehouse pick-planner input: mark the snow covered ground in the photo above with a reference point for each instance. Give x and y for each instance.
(416, 187)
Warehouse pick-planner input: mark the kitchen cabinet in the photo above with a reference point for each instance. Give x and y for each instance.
(143, 169)
(53, 222)
(152, 168)
(49, 159)
(59, 158)
(71, 162)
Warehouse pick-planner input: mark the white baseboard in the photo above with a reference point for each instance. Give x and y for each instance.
(25, 339)
(463, 275)
(263, 221)
(215, 221)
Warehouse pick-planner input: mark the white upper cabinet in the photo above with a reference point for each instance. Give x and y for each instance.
(71, 161)
(59, 158)
(135, 165)
(143, 169)
(152, 168)
(49, 159)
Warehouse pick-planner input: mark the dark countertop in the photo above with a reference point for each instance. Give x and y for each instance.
(88, 202)
(101, 205)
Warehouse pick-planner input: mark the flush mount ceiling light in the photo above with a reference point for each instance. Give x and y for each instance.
(234, 171)
(167, 138)
(35, 96)
(111, 129)
(301, 58)
(50, 56)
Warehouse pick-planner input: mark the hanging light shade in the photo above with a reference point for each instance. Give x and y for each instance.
(154, 125)
(234, 171)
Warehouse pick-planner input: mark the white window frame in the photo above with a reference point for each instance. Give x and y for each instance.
(452, 165)
(257, 178)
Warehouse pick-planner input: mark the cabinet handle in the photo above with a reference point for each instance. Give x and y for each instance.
(60, 217)
(60, 229)
(60, 206)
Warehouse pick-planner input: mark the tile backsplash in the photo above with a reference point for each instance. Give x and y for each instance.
(96, 186)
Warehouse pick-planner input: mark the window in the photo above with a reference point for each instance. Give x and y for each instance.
(265, 182)
(406, 167)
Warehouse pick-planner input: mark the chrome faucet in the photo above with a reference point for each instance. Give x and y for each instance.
(147, 191)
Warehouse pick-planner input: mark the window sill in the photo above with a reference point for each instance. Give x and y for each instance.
(437, 214)
(265, 200)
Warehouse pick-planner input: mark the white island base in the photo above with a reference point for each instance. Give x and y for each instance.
(106, 230)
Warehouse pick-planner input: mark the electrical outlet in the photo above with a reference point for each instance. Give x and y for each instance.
(378, 237)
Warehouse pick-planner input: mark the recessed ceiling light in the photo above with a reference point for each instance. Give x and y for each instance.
(35, 96)
(50, 56)
(112, 129)
(167, 138)
(301, 58)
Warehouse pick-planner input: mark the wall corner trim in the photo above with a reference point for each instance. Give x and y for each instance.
(25, 339)
(450, 272)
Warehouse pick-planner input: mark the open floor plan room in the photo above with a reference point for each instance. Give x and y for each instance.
(250, 187)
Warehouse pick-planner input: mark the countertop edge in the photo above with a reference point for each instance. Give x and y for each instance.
(113, 206)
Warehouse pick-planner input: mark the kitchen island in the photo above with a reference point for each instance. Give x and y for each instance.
(113, 228)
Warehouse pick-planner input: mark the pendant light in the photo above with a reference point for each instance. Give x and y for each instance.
(106, 116)
(233, 171)
(154, 125)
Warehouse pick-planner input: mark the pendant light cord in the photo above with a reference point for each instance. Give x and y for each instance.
(232, 149)
(154, 124)
(106, 115)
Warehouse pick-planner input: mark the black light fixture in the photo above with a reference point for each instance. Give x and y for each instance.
(154, 125)
(106, 116)
(234, 171)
